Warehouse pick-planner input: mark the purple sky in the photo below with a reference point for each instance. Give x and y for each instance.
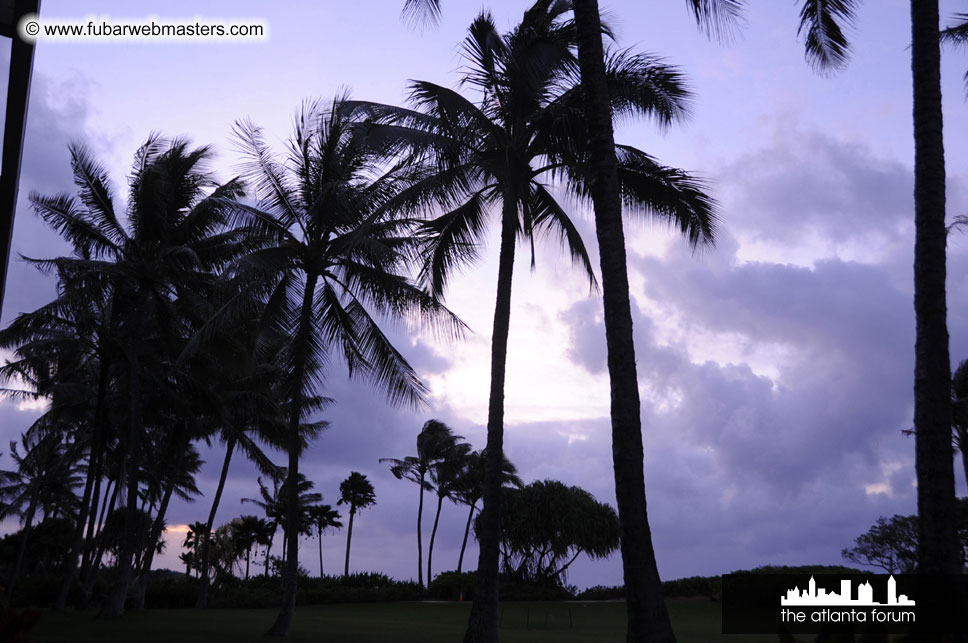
(775, 369)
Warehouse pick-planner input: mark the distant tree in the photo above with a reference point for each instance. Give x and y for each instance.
(891, 544)
(959, 412)
(45, 476)
(357, 493)
(323, 517)
(470, 489)
(433, 444)
(249, 531)
(546, 525)
(445, 477)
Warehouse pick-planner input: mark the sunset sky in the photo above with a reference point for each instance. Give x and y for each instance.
(776, 369)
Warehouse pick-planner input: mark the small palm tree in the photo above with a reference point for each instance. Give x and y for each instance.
(357, 493)
(44, 480)
(434, 443)
(248, 531)
(445, 476)
(323, 517)
(470, 489)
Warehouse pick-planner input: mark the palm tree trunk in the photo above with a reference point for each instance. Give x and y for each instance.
(93, 527)
(202, 601)
(433, 536)
(938, 551)
(419, 535)
(114, 605)
(648, 618)
(248, 554)
(320, 553)
(290, 573)
(349, 540)
(21, 550)
(463, 545)
(272, 537)
(138, 603)
(87, 581)
(482, 624)
(93, 475)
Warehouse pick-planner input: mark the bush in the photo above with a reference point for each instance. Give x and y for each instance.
(449, 586)
(694, 587)
(602, 593)
(171, 593)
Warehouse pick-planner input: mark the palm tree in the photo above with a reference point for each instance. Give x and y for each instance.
(445, 476)
(957, 34)
(45, 478)
(247, 532)
(331, 254)
(241, 376)
(433, 443)
(323, 517)
(939, 552)
(357, 493)
(959, 419)
(171, 246)
(528, 128)
(470, 489)
(274, 508)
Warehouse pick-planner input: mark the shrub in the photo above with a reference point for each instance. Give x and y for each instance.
(602, 593)
(449, 586)
(171, 593)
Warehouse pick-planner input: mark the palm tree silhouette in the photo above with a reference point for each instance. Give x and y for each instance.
(323, 517)
(172, 245)
(528, 128)
(46, 474)
(434, 442)
(357, 493)
(331, 254)
(470, 489)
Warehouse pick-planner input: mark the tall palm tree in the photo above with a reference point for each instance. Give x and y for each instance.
(323, 517)
(433, 444)
(470, 489)
(172, 244)
(937, 511)
(356, 492)
(332, 257)
(528, 128)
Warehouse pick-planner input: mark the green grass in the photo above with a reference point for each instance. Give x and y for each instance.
(695, 621)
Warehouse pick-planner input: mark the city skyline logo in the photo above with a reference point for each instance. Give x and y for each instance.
(817, 596)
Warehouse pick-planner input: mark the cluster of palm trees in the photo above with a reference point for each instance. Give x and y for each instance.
(452, 470)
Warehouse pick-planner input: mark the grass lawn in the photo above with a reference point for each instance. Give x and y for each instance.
(695, 621)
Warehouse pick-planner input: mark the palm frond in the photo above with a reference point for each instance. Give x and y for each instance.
(720, 19)
(822, 23)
